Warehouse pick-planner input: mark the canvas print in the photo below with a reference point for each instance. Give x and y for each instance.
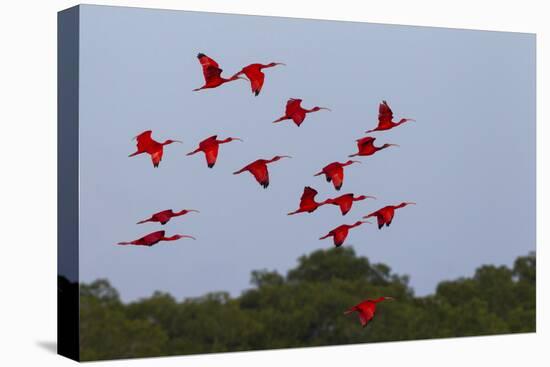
(237, 183)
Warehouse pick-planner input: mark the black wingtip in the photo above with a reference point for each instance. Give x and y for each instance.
(256, 93)
(211, 165)
(200, 54)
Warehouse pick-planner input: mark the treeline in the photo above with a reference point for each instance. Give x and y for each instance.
(305, 308)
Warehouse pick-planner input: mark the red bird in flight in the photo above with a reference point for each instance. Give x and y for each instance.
(335, 172)
(385, 117)
(345, 202)
(210, 146)
(307, 202)
(297, 113)
(340, 233)
(164, 216)
(385, 215)
(212, 73)
(365, 147)
(146, 144)
(258, 169)
(153, 238)
(256, 76)
(367, 309)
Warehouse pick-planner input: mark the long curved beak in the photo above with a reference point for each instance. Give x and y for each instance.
(371, 197)
(357, 162)
(193, 210)
(178, 141)
(286, 156)
(410, 203)
(280, 63)
(394, 145)
(325, 108)
(238, 139)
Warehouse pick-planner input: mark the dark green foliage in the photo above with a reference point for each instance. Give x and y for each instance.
(305, 308)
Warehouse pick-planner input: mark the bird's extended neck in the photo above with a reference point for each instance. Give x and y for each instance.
(402, 205)
(348, 163)
(402, 121)
(184, 211)
(171, 238)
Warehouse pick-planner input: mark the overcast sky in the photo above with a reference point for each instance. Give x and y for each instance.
(468, 161)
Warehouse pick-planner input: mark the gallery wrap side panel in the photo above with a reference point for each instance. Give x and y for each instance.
(67, 183)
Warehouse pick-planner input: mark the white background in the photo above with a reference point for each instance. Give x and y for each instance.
(28, 182)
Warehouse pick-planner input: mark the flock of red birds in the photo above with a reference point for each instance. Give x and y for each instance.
(333, 172)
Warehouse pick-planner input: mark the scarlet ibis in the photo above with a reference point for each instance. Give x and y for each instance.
(345, 201)
(212, 73)
(296, 112)
(366, 146)
(307, 201)
(335, 172)
(258, 169)
(367, 309)
(210, 146)
(164, 216)
(256, 76)
(340, 233)
(385, 215)
(146, 144)
(385, 117)
(155, 237)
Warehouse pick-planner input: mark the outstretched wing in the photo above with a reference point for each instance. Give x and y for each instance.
(156, 157)
(144, 140)
(151, 238)
(256, 77)
(292, 105)
(340, 236)
(337, 177)
(261, 174)
(299, 116)
(211, 154)
(308, 194)
(345, 202)
(385, 113)
(366, 312)
(210, 68)
(363, 142)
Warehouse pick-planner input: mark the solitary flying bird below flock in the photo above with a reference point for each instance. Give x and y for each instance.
(295, 112)
(212, 73)
(385, 215)
(210, 147)
(153, 238)
(367, 309)
(340, 233)
(385, 117)
(334, 172)
(164, 216)
(146, 144)
(256, 76)
(258, 169)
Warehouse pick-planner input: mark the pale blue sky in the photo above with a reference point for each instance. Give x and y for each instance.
(468, 161)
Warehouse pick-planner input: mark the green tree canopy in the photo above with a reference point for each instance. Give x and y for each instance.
(305, 308)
